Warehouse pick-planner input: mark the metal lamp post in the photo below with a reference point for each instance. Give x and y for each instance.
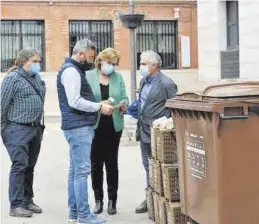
(132, 21)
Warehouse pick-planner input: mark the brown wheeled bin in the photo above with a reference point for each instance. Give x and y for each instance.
(217, 134)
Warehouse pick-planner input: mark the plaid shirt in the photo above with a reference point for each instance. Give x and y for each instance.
(19, 101)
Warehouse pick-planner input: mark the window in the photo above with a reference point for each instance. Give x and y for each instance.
(161, 37)
(100, 32)
(17, 35)
(230, 58)
(232, 24)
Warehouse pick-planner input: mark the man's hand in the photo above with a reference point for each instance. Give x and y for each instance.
(123, 107)
(106, 108)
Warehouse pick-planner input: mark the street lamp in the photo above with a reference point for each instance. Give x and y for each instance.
(132, 21)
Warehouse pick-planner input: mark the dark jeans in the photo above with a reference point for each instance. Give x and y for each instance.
(146, 154)
(23, 146)
(105, 151)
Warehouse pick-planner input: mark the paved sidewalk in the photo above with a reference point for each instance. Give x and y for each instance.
(51, 183)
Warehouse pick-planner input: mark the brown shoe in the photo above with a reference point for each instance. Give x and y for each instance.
(20, 212)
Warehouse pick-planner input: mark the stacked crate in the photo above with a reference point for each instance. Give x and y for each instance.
(163, 197)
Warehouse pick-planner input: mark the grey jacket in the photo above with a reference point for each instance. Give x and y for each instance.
(162, 89)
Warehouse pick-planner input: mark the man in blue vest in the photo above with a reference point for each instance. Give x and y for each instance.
(79, 114)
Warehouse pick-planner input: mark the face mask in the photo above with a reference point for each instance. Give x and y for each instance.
(90, 66)
(107, 69)
(144, 71)
(87, 66)
(83, 59)
(35, 68)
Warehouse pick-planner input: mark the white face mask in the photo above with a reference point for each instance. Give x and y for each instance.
(144, 70)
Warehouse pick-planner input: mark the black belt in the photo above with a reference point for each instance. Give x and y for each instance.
(32, 124)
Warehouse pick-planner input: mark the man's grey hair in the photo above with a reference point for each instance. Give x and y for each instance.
(83, 46)
(151, 57)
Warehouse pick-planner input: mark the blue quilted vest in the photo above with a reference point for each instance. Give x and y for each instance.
(72, 118)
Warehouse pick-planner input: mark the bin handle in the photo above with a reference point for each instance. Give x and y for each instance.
(229, 84)
(233, 117)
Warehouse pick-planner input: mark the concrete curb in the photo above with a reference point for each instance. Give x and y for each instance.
(52, 117)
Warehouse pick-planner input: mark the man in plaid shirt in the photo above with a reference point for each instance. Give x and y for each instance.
(21, 130)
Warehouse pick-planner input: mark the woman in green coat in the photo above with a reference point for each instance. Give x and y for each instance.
(107, 83)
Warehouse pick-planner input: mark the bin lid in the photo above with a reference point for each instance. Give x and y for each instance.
(227, 90)
(217, 97)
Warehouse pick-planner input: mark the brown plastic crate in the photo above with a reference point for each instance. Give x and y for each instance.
(171, 182)
(150, 204)
(156, 207)
(174, 215)
(162, 210)
(166, 146)
(153, 142)
(158, 178)
(152, 167)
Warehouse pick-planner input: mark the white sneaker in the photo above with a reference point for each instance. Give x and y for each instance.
(91, 219)
(72, 221)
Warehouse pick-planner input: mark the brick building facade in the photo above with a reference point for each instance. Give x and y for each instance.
(58, 19)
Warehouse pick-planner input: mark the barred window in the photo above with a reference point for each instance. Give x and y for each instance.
(161, 37)
(17, 35)
(230, 59)
(232, 24)
(100, 32)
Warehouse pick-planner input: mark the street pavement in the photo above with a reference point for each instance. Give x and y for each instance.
(50, 186)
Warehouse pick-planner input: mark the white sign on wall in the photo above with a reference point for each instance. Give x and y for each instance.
(176, 13)
(185, 52)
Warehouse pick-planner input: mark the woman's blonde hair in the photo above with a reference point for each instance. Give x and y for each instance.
(23, 57)
(108, 54)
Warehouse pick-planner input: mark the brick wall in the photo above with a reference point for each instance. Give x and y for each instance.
(58, 13)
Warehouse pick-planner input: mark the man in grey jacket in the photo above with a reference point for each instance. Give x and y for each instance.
(155, 89)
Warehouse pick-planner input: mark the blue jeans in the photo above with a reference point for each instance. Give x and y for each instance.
(80, 141)
(145, 154)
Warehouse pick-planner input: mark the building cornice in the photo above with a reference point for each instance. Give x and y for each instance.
(101, 2)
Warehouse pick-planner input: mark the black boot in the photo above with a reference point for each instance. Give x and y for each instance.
(112, 207)
(34, 208)
(142, 208)
(98, 207)
(20, 212)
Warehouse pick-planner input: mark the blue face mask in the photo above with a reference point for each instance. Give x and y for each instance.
(107, 69)
(144, 71)
(35, 68)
